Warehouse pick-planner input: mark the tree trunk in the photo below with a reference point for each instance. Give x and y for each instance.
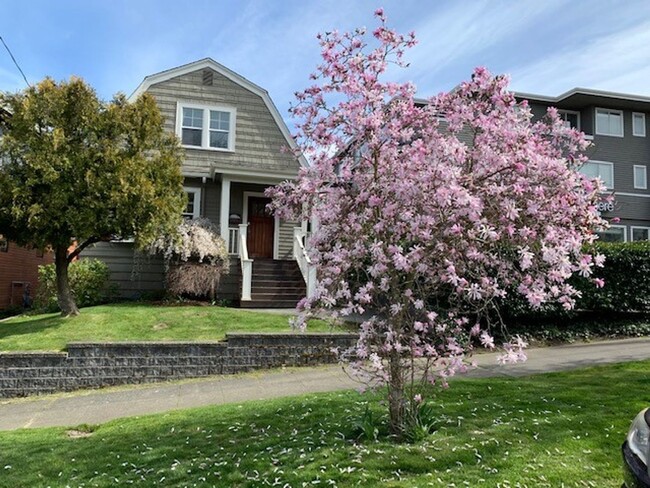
(63, 292)
(396, 404)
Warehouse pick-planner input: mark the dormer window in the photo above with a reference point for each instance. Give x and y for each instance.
(206, 127)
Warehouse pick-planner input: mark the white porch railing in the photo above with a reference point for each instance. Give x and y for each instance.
(246, 264)
(233, 240)
(304, 263)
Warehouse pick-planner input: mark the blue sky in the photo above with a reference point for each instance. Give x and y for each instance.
(547, 46)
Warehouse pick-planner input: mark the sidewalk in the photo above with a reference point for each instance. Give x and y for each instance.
(97, 406)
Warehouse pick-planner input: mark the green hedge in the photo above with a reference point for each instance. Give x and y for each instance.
(89, 281)
(627, 279)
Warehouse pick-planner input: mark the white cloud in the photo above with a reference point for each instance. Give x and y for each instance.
(616, 62)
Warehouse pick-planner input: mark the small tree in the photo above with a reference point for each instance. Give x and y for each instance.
(429, 214)
(196, 257)
(78, 170)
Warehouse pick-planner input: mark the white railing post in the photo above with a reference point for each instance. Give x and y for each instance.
(233, 244)
(246, 264)
(304, 263)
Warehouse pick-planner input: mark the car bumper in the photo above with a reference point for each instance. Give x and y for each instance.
(635, 473)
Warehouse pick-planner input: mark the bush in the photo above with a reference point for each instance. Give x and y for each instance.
(196, 259)
(627, 279)
(89, 282)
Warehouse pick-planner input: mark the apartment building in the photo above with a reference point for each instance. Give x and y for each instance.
(616, 124)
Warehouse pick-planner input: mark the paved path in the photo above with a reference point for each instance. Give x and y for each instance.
(97, 406)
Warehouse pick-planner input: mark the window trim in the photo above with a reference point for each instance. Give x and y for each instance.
(573, 112)
(607, 163)
(205, 130)
(645, 176)
(609, 110)
(634, 133)
(197, 202)
(633, 227)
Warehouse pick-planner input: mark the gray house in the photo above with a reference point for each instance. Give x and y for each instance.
(620, 155)
(234, 141)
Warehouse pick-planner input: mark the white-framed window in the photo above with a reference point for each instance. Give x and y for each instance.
(206, 126)
(193, 206)
(640, 177)
(609, 122)
(599, 169)
(640, 233)
(615, 233)
(571, 118)
(638, 124)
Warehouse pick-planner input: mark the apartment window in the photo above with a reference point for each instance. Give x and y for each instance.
(640, 233)
(609, 122)
(571, 118)
(206, 127)
(640, 177)
(193, 206)
(4, 244)
(615, 233)
(638, 124)
(599, 169)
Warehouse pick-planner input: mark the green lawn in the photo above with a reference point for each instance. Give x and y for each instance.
(138, 322)
(551, 430)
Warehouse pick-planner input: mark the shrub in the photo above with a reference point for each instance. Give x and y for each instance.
(89, 282)
(196, 259)
(627, 279)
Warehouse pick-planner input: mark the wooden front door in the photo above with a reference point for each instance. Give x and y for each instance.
(261, 225)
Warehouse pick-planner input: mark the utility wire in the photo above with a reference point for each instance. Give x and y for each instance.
(15, 62)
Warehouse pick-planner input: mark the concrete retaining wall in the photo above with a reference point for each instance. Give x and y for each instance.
(93, 365)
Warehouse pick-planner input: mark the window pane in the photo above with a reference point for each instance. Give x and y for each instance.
(640, 177)
(602, 122)
(189, 208)
(606, 173)
(590, 170)
(640, 234)
(615, 124)
(613, 234)
(638, 124)
(192, 137)
(219, 120)
(219, 139)
(193, 117)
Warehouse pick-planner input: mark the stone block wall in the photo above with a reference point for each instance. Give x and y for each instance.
(93, 365)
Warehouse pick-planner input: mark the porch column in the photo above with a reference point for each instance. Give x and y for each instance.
(225, 210)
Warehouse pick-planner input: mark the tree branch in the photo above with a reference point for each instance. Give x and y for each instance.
(81, 247)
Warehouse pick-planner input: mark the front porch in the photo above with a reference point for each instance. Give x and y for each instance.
(267, 251)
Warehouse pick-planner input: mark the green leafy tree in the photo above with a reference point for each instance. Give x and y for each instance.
(75, 170)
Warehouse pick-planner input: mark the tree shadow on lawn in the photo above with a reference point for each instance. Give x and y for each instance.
(31, 326)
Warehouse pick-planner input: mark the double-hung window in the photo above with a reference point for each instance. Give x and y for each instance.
(599, 169)
(206, 127)
(609, 122)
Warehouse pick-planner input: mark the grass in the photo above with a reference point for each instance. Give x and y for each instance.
(138, 322)
(550, 430)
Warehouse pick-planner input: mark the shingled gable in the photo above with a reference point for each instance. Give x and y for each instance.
(209, 63)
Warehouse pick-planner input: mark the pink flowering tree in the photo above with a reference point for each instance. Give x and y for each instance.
(430, 214)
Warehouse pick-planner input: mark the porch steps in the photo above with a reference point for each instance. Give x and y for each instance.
(275, 284)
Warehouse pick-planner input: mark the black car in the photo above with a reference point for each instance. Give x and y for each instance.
(636, 452)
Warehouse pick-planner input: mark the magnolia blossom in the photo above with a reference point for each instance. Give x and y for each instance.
(431, 213)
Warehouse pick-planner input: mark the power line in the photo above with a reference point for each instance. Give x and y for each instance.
(14, 60)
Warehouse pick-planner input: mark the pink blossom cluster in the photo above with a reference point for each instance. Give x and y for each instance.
(429, 214)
